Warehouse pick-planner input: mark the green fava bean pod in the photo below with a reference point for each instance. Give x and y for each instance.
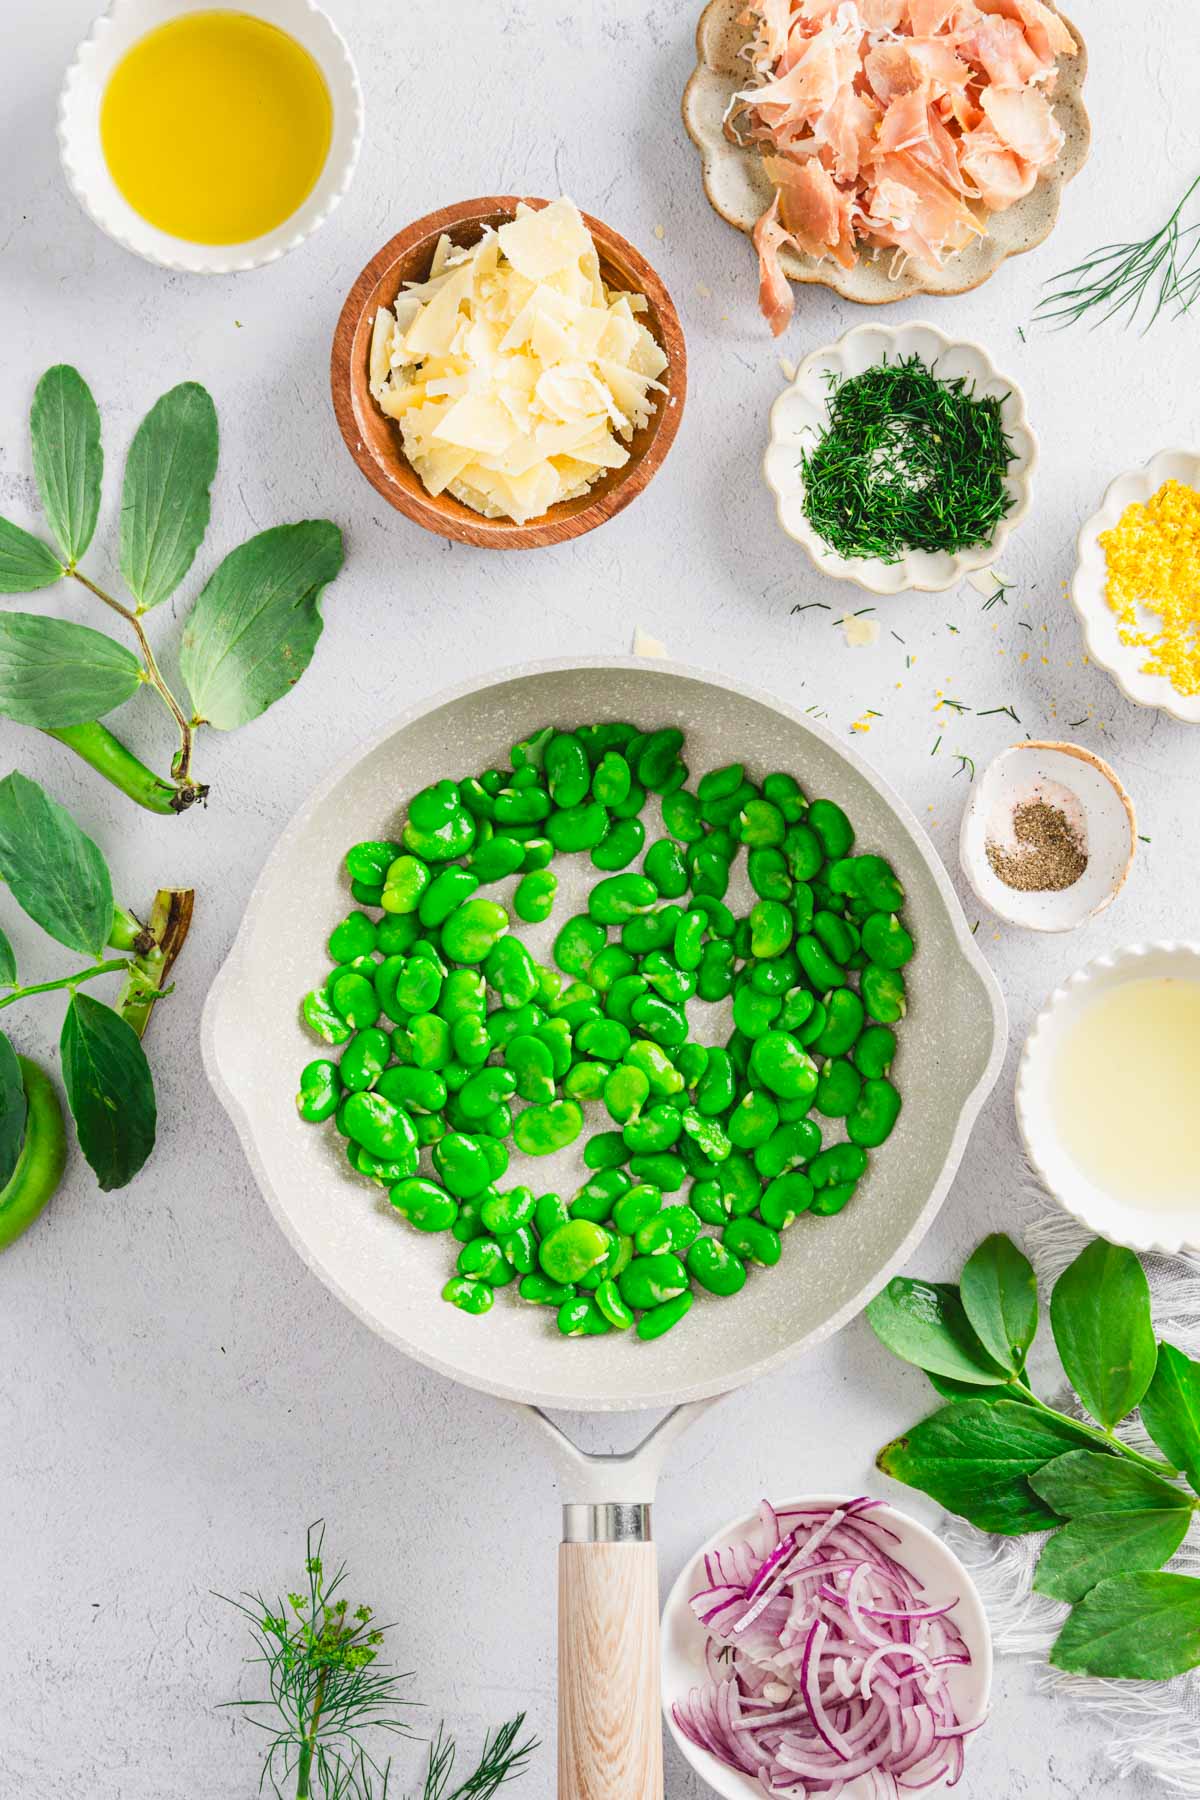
(468, 1296)
(883, 993)
(540, 1130)
(364, 1059)
(874, 1051)
(424, 1204)
(874, 1114)
(649, 1280)
(320, 1091)
(716, 1267)
(753, 1242)
(568, 772)
(785, 1199)
(571, 1250)
(608, 1299)
(662, 1318)
(533, 900)
(472, 929)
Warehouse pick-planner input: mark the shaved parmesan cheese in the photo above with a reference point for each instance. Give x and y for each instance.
(516, 378)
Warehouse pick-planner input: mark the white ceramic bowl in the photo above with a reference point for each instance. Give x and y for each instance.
(1099, 621)
(87, 172)
(1101, 1212)
(1110, 824)
(943, 1577)
(801, 410)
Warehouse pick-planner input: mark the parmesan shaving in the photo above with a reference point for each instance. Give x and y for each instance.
(516, 377)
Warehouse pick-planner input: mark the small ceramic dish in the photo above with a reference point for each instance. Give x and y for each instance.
(738, 188)
(373, 439)
(1099, 621)
(1169, 1231)
(942, 1576)
(801, 411)
(1090, 793)
(115, 32)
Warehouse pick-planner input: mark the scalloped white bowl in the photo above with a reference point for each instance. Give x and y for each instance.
(1099, 621)
(1168, 1232)
(929, 1559)
(87, 173)
(801, 410)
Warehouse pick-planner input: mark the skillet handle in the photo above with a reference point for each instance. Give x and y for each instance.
(609, 1723)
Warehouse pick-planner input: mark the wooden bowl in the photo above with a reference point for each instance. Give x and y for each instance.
(373, 439)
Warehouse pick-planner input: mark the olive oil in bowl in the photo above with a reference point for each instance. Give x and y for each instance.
(216, 126)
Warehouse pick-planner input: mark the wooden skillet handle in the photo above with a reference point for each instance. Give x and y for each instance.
(609, 1725)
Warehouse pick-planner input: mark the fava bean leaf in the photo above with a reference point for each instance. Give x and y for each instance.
(56, 873)
(1121, 1517)
(1100, 1315)
(8, 962)
(25, 562)
(1171, 1410)
(110, 1090)
(252, 632)
(12, 1111)
(165, 500)
(999, 1294)
(67, 459)
(923, 1322)
(1134, 1626)
(974, 1457)
(54, 674)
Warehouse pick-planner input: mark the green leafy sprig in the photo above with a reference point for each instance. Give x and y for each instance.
(1161, 270)
(328, 1695)
(1003, 1459)
(58, 876)
(250, 633)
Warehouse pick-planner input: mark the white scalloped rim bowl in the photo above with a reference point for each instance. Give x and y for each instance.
(923, 1553)
(1099, 621)
(87, 173)
(801, 410)
(1138, 1228)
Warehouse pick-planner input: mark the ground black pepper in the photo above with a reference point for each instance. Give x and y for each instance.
(1049, 855)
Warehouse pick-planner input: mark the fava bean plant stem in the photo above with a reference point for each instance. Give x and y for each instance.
(59, 878)
(330, 1700)
(248, 637)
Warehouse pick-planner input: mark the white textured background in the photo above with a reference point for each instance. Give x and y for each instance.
(178, 1397)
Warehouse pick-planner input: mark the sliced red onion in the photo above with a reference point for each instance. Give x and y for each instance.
(824, 1661)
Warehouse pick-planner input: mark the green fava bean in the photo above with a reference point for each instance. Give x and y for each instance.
(429, 1037)
(708, 1203)
(608, 1299)
(581, 1317)
(885, 940)
(625, 1093)
(397, 933)
(673, 1229)
(578, 941)
(833, 828)
(605, 1038)
(556, 1035)
(755, 1013)
(368, 862)
(519, 1249)
(662, 1168)
(793, 1143)
(874, 1114)
(841, 1162)
(579, 827)
(418, 985)
(883, 993)
(483, 1260)
(572, 1249)
(812, 1023)
(540, 1130)
(784, 1200)
(716, 1267)
(876, 881)
(707, 1134)
(769, 875)
(658, 758)
(568, 772)
(381, 1127)
(487, 1088)
(622, 994)
(417, 1090)
(550, 1212)
(740, 1186)
(613, 779)
(470, 1040)
(771, 928)
(354, 997)
(620, 897)
(664, 866)
(495, 858)
(357, 935)
(838, 1088)
(605, 1150)
(802, 848)
(472, 929)
(405, 882)
(533, 900)
(843, 1022)
(521, 806)
(468, 1296)
(681, 816)
(662, 1318)
(753, 1119)
(655, 1128)
(464, 995)
(364, 1059)
(688, 948)
(714, 979)
(539, 1291)
(720, 784)
(651, 930)
(691, 1059)
(448, 889)
(818, 965)
(453, 838)
(434, 805)
(776, 974)
(533, 1066)
(539, 853)
(620, 844)
(753, 1242)
(798, 1006)
(874, 1051)
(659, 1020)
(784, 792)
(761, 825)
(585, 1082)
(779, 1063)
(650, 1280)
(462, 1165)
(530, 752)
(510, 970)
(832, 1199)
(709, 871)
(715, 1088)
(655, 1065)
(636, 1206)
(838, 939)
(320, 1091)
(424, 1204)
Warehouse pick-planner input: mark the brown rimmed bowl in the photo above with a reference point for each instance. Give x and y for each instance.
(373, 439)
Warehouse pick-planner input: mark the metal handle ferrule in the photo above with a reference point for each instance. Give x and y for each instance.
(606, 1522)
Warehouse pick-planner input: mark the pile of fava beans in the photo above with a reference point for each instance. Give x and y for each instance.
(455, 1042)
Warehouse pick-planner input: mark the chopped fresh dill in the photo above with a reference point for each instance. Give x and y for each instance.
(934, 751)
(1024, 624)
(907, 461)
(955, 705)
(1021, 334)
(964, 763)
(975, 928)
(993, 710)
(872, 715)
(1073, 724)
(1162, 270)
(823, 604)
(1142, 840)
(950, 627)
(1000, 595)
(897, 637)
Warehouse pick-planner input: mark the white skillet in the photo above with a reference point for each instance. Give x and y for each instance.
(952, 1047)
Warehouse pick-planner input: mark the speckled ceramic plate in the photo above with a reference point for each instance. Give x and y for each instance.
(1100, 629)
(951, 1049)
(739, 190)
